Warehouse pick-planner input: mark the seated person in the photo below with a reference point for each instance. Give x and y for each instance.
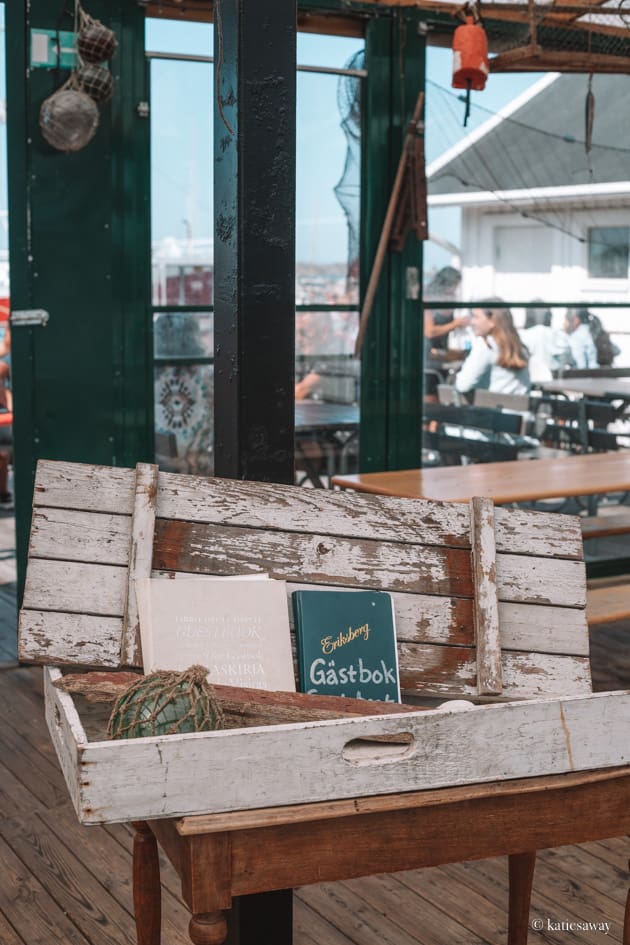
(548, 347)
(314, 338)
(498, 358)
(581, 344)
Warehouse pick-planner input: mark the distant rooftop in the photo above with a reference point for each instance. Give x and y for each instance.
(538, 141)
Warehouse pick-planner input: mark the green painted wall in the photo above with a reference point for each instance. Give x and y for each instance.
(79, 248)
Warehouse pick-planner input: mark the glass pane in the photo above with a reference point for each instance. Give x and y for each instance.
(171, 36)
(328, 188)
(183, 418)
(181, 173)
(608, 252)
(183, 335)
(325, 367)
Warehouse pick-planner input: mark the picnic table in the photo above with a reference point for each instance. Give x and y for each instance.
(516, 481)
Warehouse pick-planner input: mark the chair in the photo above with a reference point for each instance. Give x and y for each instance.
(475, 434)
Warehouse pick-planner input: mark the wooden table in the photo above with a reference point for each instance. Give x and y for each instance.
(221, 856)
(332, 428)
(517, 481)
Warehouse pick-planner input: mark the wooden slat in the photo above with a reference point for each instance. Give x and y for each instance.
(290, 508)
(68, 535)
(609, 602)
(84, 486)
(75, 587)
(446, 672)
(84, 640)
(318, 558)
(601, 526)
(321, 559)
(75, 639)
(140, 553)
(485, 601)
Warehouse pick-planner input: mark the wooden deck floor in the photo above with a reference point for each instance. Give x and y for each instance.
(64, 883)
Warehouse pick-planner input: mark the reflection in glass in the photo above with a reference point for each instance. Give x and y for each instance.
(183, 335)
(608, 252)
(183, 418)
(328, 188)
(325, 368)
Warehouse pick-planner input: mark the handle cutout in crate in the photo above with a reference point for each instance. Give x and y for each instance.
(379, 749)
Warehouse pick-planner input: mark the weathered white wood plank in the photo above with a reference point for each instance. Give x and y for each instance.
(324, 559)
(485, 601)
(319, 558)
(68, 535)
(541, 581)
(75, 587)
(73, 639)
(66, 730)
(450, 672)
(212, 772)
(140, 556)
(84, 486)
(538, 629)
(88, 589)
(101, 489)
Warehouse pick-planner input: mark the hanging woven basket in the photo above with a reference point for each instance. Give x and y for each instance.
(167, 703)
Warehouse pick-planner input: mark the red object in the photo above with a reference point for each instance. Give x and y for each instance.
(5, 310)
(470, 56)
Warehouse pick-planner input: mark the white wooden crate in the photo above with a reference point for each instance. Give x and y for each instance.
(460, 634)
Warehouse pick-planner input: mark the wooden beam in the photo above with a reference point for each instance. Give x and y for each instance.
(550, 61)
(201, 11)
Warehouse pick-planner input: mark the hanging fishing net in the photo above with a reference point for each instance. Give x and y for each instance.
(68, 119)
(348, 189)
(96, 81)
(95, 42)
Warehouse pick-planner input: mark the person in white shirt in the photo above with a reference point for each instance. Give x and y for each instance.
(498, 358)
(583, 350)
(548, 347)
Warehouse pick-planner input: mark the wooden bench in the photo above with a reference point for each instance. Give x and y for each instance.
(490, 606)
(603, 526)
(608, 600)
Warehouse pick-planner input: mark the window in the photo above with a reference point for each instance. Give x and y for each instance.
(608, 252)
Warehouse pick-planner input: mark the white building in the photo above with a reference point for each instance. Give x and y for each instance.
(540, 217)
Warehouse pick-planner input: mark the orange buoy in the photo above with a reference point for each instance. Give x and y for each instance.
(470, 59)
(470, 56)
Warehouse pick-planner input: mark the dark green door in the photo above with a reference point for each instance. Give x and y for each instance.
(79, 250)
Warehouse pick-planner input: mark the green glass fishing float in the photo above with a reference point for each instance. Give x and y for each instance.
(167, 703)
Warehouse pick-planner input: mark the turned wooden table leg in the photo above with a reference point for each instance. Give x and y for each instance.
(626, 919)
(521, 873)
(147, 895)
(208, 929)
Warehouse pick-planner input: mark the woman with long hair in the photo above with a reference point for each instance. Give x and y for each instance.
(498, 358)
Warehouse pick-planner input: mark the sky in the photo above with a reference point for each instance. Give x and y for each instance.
(181, 122)
(181, 112)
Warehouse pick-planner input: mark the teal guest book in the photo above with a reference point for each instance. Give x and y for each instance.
(346, 644)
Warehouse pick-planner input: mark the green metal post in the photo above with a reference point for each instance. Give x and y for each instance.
(391, 386)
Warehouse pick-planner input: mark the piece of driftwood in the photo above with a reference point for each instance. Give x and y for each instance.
(241, 706)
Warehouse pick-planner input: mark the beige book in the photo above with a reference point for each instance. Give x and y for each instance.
(237, 627)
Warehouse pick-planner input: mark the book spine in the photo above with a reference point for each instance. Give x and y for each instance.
(299, 639)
